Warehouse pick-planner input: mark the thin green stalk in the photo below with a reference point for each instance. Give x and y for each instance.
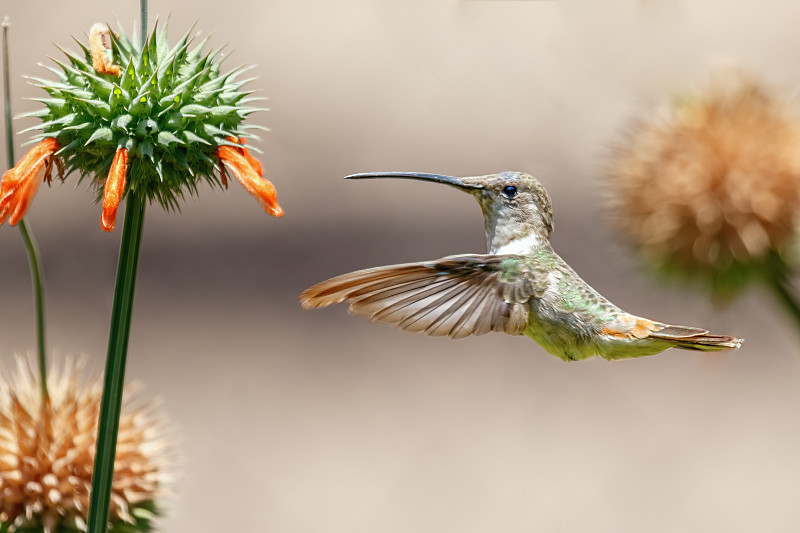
(37, 280)
(7, 92)
(32, 249)
(115, 364)
(786, 297)
(776, 275)
(143, 17)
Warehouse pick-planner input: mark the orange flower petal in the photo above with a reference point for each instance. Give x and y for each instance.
(26, 194)
(113, 190)
(19, 184)
(255, 163)
(6, 194)
(261, 188)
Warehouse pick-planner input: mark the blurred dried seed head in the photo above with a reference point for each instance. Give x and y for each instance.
(47, 453)
(710, 187)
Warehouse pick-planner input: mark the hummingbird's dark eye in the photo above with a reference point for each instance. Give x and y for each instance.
(510, 191)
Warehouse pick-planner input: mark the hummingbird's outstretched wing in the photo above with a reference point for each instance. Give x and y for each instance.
(455, 296)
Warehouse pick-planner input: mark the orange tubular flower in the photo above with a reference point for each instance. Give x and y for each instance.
(19, 184)
(250, 174)
(255, 163)
(114, 188)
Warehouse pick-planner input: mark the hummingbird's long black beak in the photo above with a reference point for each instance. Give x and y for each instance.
(438, 178)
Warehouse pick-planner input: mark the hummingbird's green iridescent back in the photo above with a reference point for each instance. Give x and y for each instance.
(568, 316)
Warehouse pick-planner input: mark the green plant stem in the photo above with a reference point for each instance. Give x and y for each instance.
(115, 364)
(32, 249)
(119, 333)
(7, 93)
(143, 17)
(118, 336)
(37, 280)
(786, 297)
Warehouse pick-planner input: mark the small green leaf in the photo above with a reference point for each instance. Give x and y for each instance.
(193, 56)
(146, 149)
(221, 111)
(231, 97)
(144, 60)
(194, 109)
(98, 107)
(162, 48)
(146, 126)
(39, 113)
(188, 86)
(128, 76)
(174, 121)
(169, 100)
(194, 138)
(81, 126)
(214, 131)
(102, 135)
(146, 87)
(66, 119)
(208, 96)
(55, 105)
(100, 86)
(139, 105)
(117, 97)
(166, 138)
(121, 122)
(69, 147)
(76, 62)
(130, 144)
(181, 159)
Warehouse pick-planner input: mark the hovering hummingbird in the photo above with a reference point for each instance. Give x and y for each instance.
(520, 287)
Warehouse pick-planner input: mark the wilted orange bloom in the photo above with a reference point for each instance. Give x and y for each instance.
(250, 174)
(115, 186)
(100, 48)
(19, 184)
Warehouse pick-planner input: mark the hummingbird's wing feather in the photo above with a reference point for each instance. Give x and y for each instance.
(456, 296)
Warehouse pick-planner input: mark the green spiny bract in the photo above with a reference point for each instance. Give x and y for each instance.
(170, 107)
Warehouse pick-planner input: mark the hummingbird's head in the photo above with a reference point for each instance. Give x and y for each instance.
(516, 208)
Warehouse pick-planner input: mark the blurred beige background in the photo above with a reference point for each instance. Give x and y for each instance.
(297, 421)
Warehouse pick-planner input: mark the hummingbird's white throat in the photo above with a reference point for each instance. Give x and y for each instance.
(512, 228)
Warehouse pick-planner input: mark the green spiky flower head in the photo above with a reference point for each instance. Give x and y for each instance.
(153, 120)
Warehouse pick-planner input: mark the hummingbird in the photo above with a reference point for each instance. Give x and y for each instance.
(520, 287)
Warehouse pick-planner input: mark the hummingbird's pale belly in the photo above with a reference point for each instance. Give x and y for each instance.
(575, 335)
(562, 334)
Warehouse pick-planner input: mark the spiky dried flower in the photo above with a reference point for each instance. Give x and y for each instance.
(710, 187)
(47, 453)
(152, 121)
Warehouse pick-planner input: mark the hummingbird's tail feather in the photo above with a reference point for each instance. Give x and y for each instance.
(456, 296)
(690, 338)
